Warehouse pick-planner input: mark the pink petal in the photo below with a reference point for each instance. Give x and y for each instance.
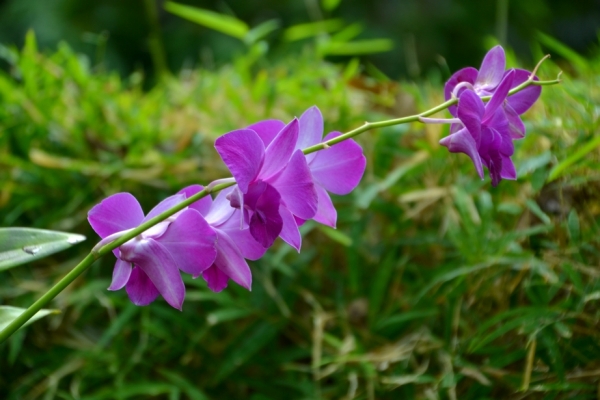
(463, 142)
(230, 261)
(326, 213)
(267, 129)
(156, 261)
(265, 223)
(243, 153)
(290, 233)
(191, 242)
(164, 205)
(311, 130)
(116, 213)
(121, 275)
(492, 69)
(248, 246)
(221, 209)
(524, 99)
(470, 112)
(295, 185)
(203, 205)
(339, 168)
(140, 289)
(216, 280)
(508, 169)
(498, 97)
(468, 74)
(280, 150)
(516, 128)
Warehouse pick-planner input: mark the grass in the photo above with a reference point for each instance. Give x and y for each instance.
(434, 286)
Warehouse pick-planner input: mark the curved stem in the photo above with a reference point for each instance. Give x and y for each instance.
(216, 186)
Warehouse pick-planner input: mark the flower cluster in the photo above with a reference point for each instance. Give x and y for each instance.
(277, 189)
(485, 132)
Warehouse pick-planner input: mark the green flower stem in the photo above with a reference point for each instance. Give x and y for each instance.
(415, 118)
(96, 254)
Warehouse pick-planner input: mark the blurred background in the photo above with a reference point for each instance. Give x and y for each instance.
(435, 285)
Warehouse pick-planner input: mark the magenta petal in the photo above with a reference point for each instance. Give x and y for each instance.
(216, 280)
(516, 128)
(524, 99)
(492, 69)
(222, 209)
(468, 74)
(156, 261)
(230, 261)
(326, 213)
(311, 130)
(463, 142)
(339, 168)
(498, 97)
(203, 205)
(121, 275)
(164, 205)
(267, 129)
(140, 289)
(280, 150)
(243, 153)
(295, 185)
(248, 246)
(265, 223)
(290, 233)
(191, 242)
(508, 169)
(116, 213)
(470, 112)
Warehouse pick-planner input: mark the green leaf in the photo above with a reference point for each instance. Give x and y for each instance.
(303, 31)
(336, 235)
(261, 31)
(330, 5)
(222, 23)
(582, 151)
(357, 47)
(22, 245)
(562, 49)
(226, 314)
(537, 211)
(8, 314)
(573, 226)
(186, 386)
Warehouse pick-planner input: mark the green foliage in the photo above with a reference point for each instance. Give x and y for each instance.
(435, 284)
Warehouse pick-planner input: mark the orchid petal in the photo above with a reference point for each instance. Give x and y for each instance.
(121, 275)
(290, 232)
(243, 153)
(280, 150)
(216, 280)
(468, 74)
(116, 213)
(248, 246)
(295, 185)
(203, 205)
(230, 261)
(140, 289)
(524, 99)
(498, 97)
(156, 261)
(191, 242)
(470, 112)
(516, 127)
(492, 69)
(311, 130)
(339, 168)
(221, 209)
(508, 169)
(267, 129)
(164, 205)
(265, 222)
(463, 142)
(326, 213)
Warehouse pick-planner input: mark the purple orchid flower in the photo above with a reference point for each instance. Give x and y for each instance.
(274, 183)
(482, 132)
(233, 244)
(149, 264)
(337, 169)
(487, 80)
